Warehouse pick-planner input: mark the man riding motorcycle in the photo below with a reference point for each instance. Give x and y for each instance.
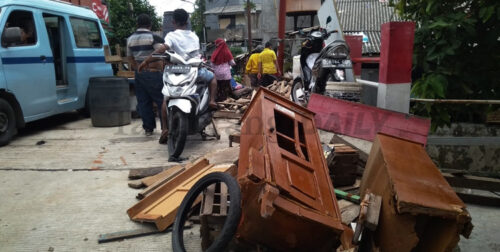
(187, 44)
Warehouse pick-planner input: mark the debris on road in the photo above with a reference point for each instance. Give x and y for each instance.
(419, 208)
(121, 235)
(287, 180)
(234, 108)
(281, 165)
(160, 206)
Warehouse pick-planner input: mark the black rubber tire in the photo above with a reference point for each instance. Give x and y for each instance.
(177, 132)
(8, 122)
(297, 83)
(320, 86)
(232, 219)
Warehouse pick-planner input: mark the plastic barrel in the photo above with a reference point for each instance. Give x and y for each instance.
(109, 101)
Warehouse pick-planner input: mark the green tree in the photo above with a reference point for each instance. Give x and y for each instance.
(456, 55)
(198, 19)
(123, 15)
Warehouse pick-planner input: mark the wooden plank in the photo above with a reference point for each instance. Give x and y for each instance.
(349, 213)
(148, 181)
(160, 182)
(161, 205)
(125, 74)
(473, 182)
(227, 115)
(208, 200)
(121, 235)
(223, 199)
(113, 59)
(373, 213)
(363, 121)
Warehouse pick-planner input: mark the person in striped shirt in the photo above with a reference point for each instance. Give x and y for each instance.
(148, 82)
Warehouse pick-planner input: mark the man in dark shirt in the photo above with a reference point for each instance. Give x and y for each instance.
(148, 82)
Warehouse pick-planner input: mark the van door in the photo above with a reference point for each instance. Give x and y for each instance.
(28, 65)
(60, 44)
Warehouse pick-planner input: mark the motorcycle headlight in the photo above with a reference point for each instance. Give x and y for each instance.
(338, 52)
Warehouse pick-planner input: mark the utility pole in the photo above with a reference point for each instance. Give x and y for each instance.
(249, 26)
(281, 34)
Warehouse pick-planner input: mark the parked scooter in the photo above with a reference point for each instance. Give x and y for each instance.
(187, 102)
(319, 64)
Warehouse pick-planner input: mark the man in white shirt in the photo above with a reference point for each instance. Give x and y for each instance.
(185, 43)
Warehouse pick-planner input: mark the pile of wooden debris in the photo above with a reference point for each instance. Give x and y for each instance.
(234, 108)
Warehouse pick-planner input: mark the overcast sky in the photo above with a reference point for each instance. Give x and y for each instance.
(170, 5)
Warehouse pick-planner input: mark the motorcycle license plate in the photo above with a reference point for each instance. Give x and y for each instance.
(177, 69)
(335, 62)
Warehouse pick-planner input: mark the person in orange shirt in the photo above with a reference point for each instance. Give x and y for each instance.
(252, 67)
(268, 66)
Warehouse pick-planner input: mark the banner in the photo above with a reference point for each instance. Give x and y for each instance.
(100, 10)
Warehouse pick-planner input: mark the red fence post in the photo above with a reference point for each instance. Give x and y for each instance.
(395, 66)
(355, 43)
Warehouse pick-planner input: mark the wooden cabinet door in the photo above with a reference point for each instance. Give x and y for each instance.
(298, 167)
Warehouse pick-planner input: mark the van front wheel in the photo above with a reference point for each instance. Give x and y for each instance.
(7, 122)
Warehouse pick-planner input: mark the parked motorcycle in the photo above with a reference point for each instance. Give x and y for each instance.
(187, 102)
(319, 64)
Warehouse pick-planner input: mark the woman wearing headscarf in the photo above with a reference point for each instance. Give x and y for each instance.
(252, 67)
(222, 60)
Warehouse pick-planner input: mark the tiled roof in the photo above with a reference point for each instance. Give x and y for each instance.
(365, 16)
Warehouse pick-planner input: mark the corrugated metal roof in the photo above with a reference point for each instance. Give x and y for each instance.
(231, 9)
(365, 16)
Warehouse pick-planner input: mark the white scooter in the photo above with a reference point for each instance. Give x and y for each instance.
(187, 102)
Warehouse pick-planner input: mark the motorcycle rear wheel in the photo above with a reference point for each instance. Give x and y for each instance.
(177, 133)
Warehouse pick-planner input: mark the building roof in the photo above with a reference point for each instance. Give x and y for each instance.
(365, 16)
(231, 9)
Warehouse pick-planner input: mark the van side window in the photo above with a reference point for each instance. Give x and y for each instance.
(86, 32)
(24, 20)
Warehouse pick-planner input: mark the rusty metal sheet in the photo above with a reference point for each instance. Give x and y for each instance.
(161, 205)
(420, 211)
(284, 178)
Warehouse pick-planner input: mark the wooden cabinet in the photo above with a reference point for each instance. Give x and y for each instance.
(284, 178)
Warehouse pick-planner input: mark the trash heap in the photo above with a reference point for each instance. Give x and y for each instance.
(295, 193)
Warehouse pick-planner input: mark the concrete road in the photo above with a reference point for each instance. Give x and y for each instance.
(63, 182)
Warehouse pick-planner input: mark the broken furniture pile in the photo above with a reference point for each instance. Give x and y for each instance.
(288, 200)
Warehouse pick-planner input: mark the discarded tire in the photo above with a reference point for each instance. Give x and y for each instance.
(232, 219)
(109, 101)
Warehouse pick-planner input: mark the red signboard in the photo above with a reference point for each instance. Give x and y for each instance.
(363, 121)
(100, 10)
